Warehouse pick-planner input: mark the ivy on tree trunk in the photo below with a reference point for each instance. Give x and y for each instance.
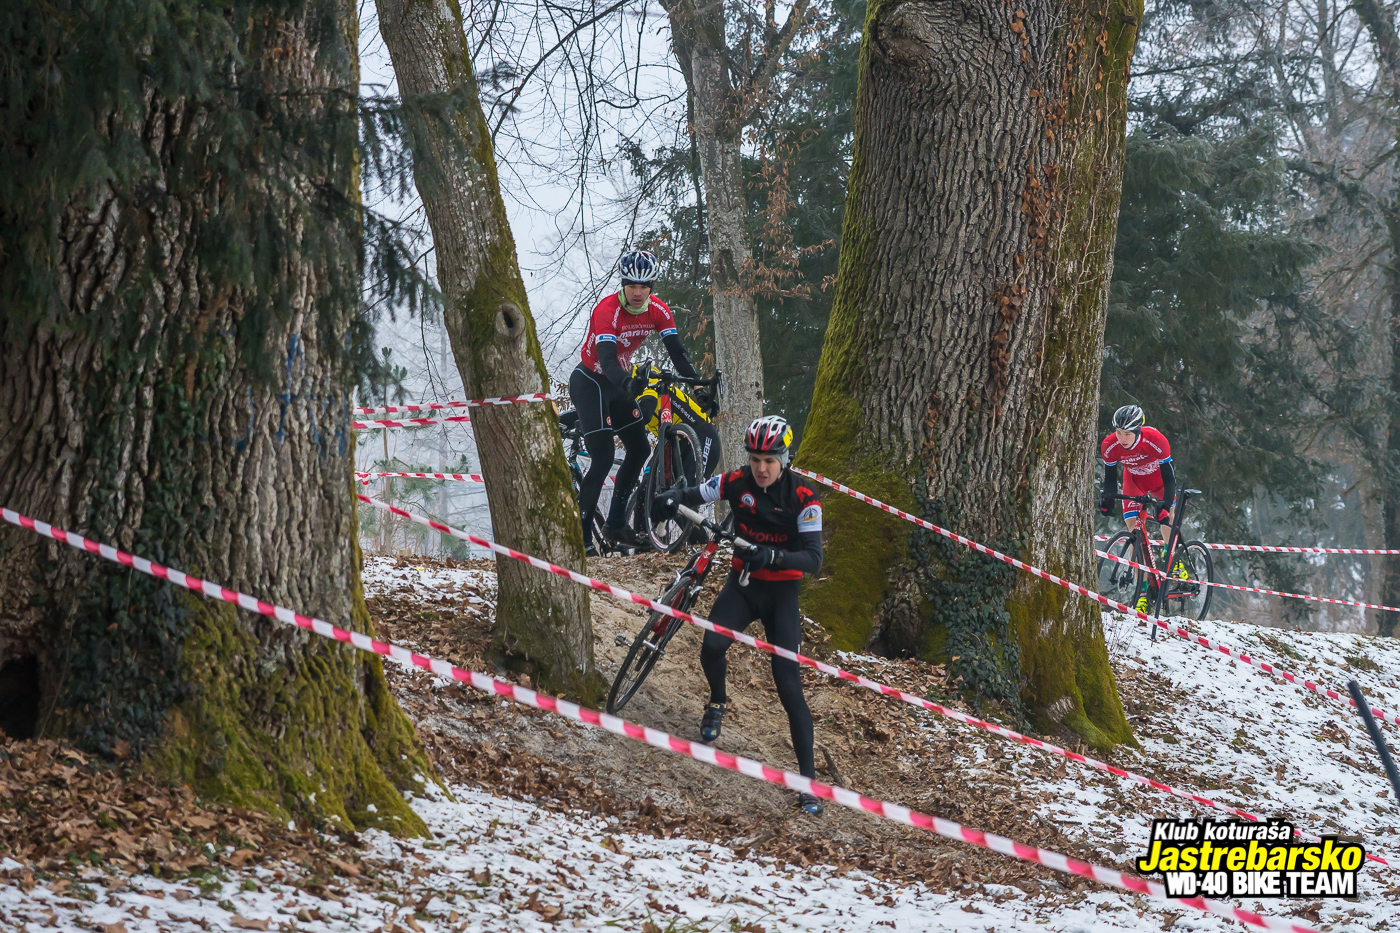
(543, 623)
(180, 403)
(959, 377)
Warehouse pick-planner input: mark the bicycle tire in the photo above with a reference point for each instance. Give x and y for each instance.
(669, 473)
(1118, 581)
(644, 653)
(1191, 599)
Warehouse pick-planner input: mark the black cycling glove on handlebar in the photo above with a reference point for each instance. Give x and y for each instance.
(758, 556)
(665, 506)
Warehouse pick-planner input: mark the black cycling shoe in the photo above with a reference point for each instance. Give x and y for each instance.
(590, 550)
(623, 537)
(710, 722)
(810, 804)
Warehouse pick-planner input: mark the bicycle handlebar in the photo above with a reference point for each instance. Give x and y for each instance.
(715, 531)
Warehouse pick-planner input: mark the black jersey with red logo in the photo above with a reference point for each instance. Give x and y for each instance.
(787, 516)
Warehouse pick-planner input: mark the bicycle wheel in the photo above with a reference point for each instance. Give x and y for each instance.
(1119, 581)
(649, 645)
(1189, 597)
(679, 447)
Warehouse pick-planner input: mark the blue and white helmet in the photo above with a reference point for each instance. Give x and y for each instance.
(638, 267)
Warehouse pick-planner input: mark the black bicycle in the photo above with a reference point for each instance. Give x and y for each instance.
(650, 643)
(676, 457)
(1185, 592)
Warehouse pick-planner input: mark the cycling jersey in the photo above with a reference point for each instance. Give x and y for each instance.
(787, 516)
(611, 322)
(1143, 460)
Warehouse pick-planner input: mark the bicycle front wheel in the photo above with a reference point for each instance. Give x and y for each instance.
(675, 462)
(1189, 596)
(1117, 580)
(649, 645)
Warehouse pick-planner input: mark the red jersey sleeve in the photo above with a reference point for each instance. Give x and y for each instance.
(1158, 440)
(661, 317)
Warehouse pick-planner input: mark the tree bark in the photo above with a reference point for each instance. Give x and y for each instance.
(543, 623)
(139, 416)
(959, 377)
(722, 105)
(1381, 26)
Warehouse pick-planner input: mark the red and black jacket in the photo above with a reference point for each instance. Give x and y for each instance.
(787, 517)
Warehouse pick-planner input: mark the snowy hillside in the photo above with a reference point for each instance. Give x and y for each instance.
(552, 826)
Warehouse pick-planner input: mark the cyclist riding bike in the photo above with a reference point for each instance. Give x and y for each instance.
(605, 395)
(1146, 459)
(778, 511)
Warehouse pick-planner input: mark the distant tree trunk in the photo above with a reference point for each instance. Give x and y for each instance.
(722, 105)
(959, 378)
(543, 623)
(150, 411)
(1381, 25)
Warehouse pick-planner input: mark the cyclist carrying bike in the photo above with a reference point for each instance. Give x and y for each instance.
(605, 395)
(1146, 459)
(779, 512)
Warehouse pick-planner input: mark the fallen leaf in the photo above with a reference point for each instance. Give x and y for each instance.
(346, 867)
(240, 858)
(118, 927)
(122, 748)
(243, 923)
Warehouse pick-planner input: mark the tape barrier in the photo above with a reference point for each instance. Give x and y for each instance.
(1247, 589)
(662, 740)
(1279, 549)
(406, 423)
(365, 477)
(829, 669)
(468, 403)
(1233, 653)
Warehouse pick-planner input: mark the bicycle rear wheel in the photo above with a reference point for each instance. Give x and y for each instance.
(1190, 597)
(1119, 581)
(649, 645)
(675, 462)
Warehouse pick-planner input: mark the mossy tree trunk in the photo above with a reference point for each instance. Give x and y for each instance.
(543, 623)
(723, 102)
(150, 413)
(959, 377)
(1381, 26)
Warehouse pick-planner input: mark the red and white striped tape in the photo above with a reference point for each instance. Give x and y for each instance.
(468, 403)
(1279, 549)
(1247, 589)
(406, 423)
(828, 669)
(1201, 640)
(663, 740)
(456, 477)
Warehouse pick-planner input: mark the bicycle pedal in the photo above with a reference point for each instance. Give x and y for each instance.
(620, 641)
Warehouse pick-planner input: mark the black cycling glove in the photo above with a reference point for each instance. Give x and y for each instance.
(665, 506)
(758, 556)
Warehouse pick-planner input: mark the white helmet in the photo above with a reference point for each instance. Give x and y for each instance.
(638, 267)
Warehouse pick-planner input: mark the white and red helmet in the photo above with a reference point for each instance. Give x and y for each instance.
(770, 435)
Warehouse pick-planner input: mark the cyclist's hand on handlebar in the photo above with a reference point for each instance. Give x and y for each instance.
(665, 506)
(1105, 505)
(634, 386)
(757, 556)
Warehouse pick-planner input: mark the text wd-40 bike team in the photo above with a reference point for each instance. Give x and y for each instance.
(775, 517)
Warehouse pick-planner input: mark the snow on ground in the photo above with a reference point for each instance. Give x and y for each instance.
(1205, 723)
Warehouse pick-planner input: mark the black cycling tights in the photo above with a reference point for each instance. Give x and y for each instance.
(775, 603)
(596, 400)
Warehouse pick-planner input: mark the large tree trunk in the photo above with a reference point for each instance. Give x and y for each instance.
(1381, 26)
(721, 107)
(543, 623)
(959, 378)
(143, 411)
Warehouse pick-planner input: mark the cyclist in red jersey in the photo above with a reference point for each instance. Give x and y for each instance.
(605, 394)
(1146, 461)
